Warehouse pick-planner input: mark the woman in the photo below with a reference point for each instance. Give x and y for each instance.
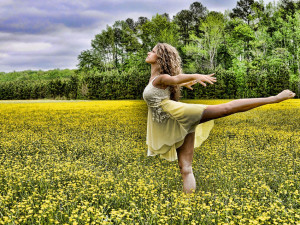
(175, 128)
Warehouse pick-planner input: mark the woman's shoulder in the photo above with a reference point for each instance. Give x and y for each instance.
(165, 80)
(159, 82)
(163, 77)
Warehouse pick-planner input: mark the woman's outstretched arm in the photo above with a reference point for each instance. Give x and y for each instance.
(166, 79)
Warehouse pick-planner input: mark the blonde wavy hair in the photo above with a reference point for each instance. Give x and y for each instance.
(169, 62)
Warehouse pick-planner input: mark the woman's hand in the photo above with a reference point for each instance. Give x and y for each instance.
(189, 84)
(200, 78)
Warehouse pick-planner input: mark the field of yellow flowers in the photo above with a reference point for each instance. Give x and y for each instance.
(84, 162)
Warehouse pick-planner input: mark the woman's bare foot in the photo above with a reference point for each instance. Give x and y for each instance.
(284, 95)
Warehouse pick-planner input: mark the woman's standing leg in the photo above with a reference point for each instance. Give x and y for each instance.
(242, 105)
(185, 158)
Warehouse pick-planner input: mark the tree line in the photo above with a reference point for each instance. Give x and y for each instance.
(253, 48)
(130, 85)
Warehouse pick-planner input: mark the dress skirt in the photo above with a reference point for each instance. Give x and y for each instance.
(164, 137)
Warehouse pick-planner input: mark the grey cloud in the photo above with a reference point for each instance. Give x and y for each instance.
(60, 29)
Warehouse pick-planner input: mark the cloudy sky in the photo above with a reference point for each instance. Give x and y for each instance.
(49, 34)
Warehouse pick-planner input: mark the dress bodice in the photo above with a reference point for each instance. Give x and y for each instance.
(153, 96)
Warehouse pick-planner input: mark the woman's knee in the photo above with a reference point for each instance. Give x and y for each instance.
(215, 112)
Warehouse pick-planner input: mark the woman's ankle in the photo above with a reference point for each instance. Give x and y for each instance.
(274, 99)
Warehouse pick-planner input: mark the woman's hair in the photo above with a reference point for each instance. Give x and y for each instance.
(169, 62)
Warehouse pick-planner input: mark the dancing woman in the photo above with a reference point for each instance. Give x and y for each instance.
(174, 128)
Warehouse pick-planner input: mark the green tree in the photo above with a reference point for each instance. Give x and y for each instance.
(89, 61)
(213, 28)
(199, 12)
(184, 20)
(158, 30)
(243, 10)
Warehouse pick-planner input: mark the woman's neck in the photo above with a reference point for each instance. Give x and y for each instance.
(154, 70)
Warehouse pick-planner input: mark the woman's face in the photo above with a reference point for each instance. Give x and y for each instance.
(152, 56)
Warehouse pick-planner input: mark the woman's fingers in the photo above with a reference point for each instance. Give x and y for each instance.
(208, 80)
(204, 84)
(213, 78)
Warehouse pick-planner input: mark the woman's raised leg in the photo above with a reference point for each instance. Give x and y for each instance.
(242, 105)
(185, 158)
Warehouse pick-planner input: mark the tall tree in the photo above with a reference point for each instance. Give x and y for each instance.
(89, 61)
(199, 12)
(131, 24)
(166, 15)
(288, 7)
(243, 10)
(213, 28)
(257, 15)
(158, 30)
(204, 50)
(184, 19)
(141, 21)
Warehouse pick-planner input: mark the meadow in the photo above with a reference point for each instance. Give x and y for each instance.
(84, 162)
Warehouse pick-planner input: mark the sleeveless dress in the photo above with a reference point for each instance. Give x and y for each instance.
(169, 121)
